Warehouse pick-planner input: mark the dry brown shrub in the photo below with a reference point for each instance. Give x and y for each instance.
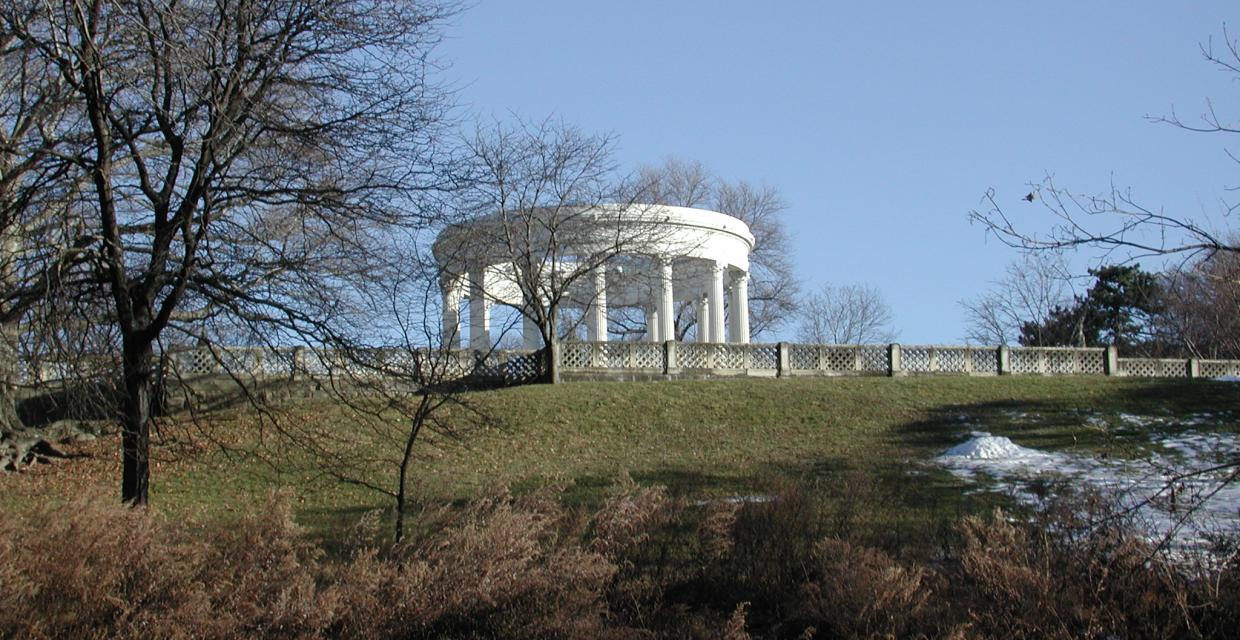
(96, 569)
(772, 544)
(862, 592)
(627, 518)
(715, 532)
(1048, 581)
(735, 628)
(499, 570)
(83, 569)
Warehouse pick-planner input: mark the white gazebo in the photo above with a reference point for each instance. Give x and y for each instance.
(648, 257)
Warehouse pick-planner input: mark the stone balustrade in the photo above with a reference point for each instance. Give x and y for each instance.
(627, 360)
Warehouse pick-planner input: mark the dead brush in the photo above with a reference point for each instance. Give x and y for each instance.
(628, 517)
(91, 568)
(1039, 580)
(862, 592)
(502, 568)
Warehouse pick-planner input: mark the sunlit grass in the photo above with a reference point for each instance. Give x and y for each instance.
(856, 438)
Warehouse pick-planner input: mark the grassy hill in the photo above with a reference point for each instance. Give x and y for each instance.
(855, 440)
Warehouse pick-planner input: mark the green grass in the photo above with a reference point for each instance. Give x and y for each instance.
(858, 439)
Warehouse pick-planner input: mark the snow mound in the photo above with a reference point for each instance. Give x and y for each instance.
(1177, 490)
(983, 446)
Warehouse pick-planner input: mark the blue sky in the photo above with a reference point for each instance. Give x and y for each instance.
(881, 124)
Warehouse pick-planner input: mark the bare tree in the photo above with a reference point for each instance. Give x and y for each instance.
(43, 243)
(1114, 220)
(1124, 228)
(1200, 300)
(547, 212)
(210, 124)
(846, 314)
(397, 381)
(1029, 291)
(773, 287)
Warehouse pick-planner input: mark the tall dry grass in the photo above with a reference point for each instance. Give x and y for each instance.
(641, 565)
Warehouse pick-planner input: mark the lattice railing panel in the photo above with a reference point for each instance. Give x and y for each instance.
(1056, 360)
(523, 366)
(985, 359)
(1218, 368)
(803, 357)
(1062, 362)
(647, 355)
(693, 355)
(838, 359)
(953, 359)
(915, 359)
(194, 362)
(1025, 361)
(763, 356)
(1152, 368)
(1092, 361)
(577, 355)
(612, 355)
(874, 358)
(730, 356)
(488, 366)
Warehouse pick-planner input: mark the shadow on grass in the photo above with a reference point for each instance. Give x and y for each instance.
(1117, 423)
(894, 486)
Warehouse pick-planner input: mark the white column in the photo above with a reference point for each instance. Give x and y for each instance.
(703, 320)
(652, 324)
(479, 311)
(667, 306)
(451, 288)
(531, 337)
(739, 325)
(596, 324)
(714, 300)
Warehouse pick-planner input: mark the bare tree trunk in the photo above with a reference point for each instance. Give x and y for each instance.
(9, 331)
(136, 426)
(415, 427)
(9, 421)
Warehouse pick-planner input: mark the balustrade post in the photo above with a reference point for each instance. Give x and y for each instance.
(1193, 368)
(1110, 364)
(669, 357)
(895, 364)
(783, 366)
(299, 362)
(1005, 360)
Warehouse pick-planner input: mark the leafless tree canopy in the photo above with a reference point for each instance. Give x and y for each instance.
(533, 204)
(1027, 293)
(235, 158)
(846, 314)
(773, 287)
(1115, 220)
(1201, 300)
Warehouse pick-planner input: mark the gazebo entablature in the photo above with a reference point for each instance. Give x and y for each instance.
(652, 257)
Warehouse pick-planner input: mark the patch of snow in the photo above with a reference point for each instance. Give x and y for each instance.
(1228, 378)
(1097, 422)
(750, 499)
(1131, 420)
(1162, 499)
